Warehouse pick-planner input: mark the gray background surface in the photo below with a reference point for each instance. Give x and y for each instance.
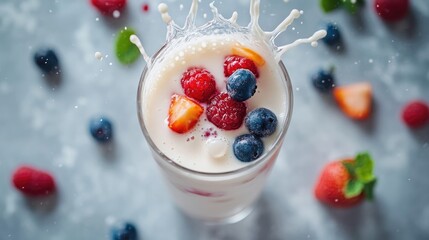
(46, 126)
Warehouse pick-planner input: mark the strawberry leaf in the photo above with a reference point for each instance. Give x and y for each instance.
(369, 189)
(361, 176)
(363, 168)
(330, 5)
(353, 188)
(350, 166)
(126, 51)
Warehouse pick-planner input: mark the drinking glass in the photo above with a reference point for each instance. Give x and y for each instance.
(217, 197)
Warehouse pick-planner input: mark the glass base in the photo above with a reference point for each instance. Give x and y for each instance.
(229, 220)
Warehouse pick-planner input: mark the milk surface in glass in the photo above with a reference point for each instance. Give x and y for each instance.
(205, 178)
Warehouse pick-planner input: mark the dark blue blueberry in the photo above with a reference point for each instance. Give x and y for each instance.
(128, 232)
(248, 147)
(241, 85)
(101, 129)
(333, 36)
(324, 80)
(46, 60)
(262, 122)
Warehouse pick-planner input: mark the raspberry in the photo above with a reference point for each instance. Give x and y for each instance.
(415, 114)
(233, 63)
(225, 113)
(107, 7)
(32, 181)
(198, 83)
(391, 10)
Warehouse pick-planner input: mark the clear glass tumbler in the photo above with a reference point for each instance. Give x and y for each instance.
(218, 197)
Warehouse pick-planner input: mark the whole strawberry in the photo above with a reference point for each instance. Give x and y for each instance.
(32, 181)
(346, 182)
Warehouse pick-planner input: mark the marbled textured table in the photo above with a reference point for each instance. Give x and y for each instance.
(46, 125)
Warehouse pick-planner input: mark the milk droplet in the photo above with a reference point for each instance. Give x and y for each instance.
(370, 60)
(98, 56)
(216, 147)
(136, 41)
(116, 14)
(163, 9)
(314, 44)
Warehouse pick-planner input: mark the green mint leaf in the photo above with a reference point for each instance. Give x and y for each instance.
(369, 189)
(352, 5)
(363, 168)
(330, 5)
(126, 51)
(353, 188)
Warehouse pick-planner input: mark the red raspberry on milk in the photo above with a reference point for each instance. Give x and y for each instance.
(226, 113)
(198, 83)
(234, 62)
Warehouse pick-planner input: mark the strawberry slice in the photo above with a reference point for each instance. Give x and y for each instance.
(183, 113)
(250, 54)
(355, 100)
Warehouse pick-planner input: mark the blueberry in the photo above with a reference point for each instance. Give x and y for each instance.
(248, 147)
(101, 129)
(333, 36)
(262, 122)
(241, 85)
(128, 232)
(324, 80)
(46, 59)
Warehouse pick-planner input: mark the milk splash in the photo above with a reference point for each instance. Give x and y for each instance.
(174, 30)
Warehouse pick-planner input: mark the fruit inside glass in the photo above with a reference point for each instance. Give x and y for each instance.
(206, 180)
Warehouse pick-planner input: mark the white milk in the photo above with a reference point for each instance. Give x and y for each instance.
(192, 149)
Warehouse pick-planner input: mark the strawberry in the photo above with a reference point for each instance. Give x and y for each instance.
(233, 62)
(346, 182)
(355, 100)
(415, 114)
(226, 113)
(107, 7)
(32, 181)
(250, 54)
(183, 113)
(198, 83)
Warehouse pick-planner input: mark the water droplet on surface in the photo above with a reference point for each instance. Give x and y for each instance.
(116, 14)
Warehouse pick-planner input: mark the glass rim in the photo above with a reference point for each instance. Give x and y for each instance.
(286, 81)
